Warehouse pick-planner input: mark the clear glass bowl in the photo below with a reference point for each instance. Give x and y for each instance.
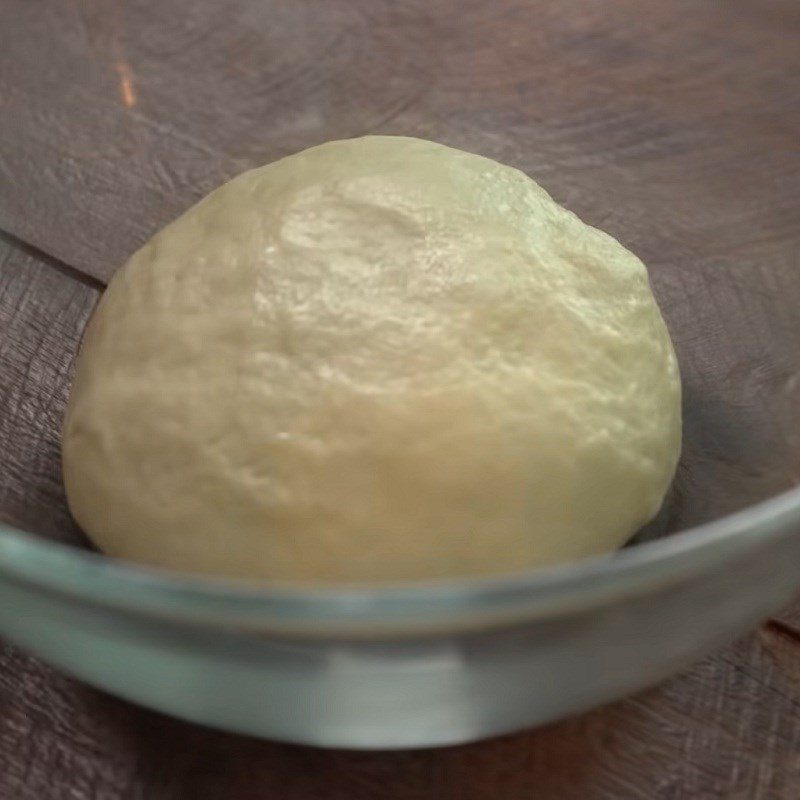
(412, 665)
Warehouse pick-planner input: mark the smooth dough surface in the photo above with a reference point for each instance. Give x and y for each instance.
(378, 359)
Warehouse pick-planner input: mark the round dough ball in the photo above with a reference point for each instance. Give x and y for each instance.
(378, 359)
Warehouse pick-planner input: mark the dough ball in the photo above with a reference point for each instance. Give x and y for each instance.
(378, 359)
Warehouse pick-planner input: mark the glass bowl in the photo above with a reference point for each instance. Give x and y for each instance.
(403, 666)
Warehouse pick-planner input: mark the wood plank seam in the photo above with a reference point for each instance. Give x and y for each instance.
(51, 261)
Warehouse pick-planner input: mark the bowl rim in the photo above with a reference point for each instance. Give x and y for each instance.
(408, 608)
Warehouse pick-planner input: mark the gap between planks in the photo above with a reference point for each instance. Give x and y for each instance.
(51, 261)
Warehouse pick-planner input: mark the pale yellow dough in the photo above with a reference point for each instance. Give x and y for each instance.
(375, 360)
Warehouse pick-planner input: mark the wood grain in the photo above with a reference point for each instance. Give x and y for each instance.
(42, 314)
(671, 124)
(673, 128)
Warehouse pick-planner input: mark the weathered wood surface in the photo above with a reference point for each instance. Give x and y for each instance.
(42, 314)
(673, 125)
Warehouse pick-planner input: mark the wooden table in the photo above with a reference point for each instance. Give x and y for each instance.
(673, 125)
